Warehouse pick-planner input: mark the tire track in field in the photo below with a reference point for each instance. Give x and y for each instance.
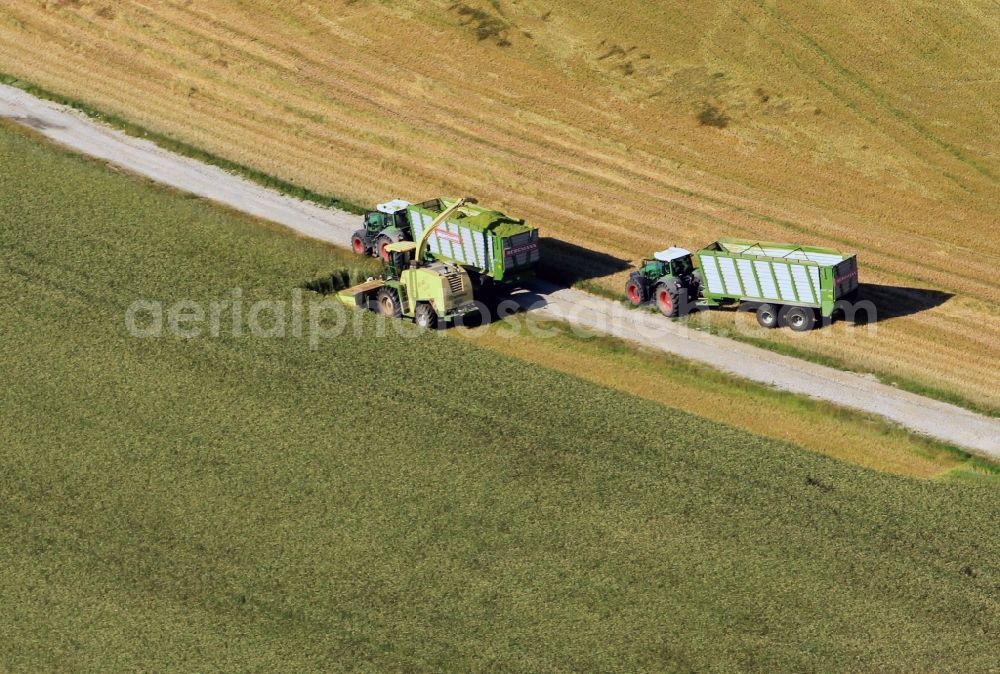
(874, 94)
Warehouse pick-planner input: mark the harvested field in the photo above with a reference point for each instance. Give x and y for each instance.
(618, 128)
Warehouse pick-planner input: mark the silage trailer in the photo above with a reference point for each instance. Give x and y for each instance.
(788, 283)
(491, 246)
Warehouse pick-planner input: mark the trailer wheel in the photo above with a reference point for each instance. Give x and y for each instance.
(767, 316)
(388, 303)
(800, 319)
(358, 244)
(666, 300)
(425, 316)
(636, 290)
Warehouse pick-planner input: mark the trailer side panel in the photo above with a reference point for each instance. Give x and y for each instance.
(784, 274)
(504, 250)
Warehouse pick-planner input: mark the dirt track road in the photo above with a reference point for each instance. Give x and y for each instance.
(923, 415)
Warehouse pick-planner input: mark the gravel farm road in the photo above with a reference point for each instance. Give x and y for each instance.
(933, 418)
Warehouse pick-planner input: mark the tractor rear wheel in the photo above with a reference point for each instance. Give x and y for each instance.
(380, 252)
(636, 290)
(388, 303)
(800, 319)
(425, 316)
(666, 300)
(358, 244)
(767, 316)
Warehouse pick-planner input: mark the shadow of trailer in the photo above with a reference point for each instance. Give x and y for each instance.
(875, 303)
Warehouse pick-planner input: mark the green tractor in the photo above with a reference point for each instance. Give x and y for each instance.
(669, 278)
(426, 291)
(384, 226)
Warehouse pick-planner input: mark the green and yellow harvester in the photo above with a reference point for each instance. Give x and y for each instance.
(426, 290)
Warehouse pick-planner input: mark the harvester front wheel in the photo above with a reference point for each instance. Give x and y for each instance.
(425, 316)
(767, 316)
(388, 303)
(800, 319)
(358, 244)
(636, 291)
(666, 300)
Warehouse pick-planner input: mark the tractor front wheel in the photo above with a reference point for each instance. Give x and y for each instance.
(636, 291)
(767, 316)
(425, 316)
(666, 300)
(388, 303)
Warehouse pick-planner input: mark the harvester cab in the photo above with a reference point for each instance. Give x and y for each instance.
(669, 278)
(386, 225)
(399, 256)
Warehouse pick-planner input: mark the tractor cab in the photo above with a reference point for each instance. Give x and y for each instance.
(385, 225)
(676, 261)
(389, 214)
(670, 262)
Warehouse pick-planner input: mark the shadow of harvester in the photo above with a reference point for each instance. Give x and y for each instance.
(887, 302)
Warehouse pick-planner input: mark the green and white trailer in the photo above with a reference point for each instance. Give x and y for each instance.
(788, 283)
(491, 246)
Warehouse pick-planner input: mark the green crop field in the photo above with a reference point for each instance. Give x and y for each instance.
(401, 502)
(617, 128)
